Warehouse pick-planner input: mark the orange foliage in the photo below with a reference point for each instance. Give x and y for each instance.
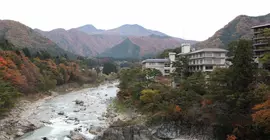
(262, 115)
(205, 102)
(177, 108)
(3, 62)
(23, 75)
(231, 137)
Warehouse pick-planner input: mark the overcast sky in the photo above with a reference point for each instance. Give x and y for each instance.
(188, 19)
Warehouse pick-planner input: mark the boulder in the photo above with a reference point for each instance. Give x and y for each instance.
(134, 132)
(76, 136)
(19, 133)
(61, 113)
(95, 129)
(45, 138)
(79, 102)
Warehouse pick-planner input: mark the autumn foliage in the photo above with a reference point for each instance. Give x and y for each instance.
(262, 115)
(32, 75)
(231, 137)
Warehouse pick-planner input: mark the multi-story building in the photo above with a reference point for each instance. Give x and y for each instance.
(206, 59)
(261, 43)
(165, 66)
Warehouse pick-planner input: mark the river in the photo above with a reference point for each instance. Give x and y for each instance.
(61, 114)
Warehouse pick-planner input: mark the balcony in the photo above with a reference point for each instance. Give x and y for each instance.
(259, 43)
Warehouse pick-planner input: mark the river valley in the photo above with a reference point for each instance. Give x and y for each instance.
(78, 110)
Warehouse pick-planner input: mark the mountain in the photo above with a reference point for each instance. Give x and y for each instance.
(154, 45)
(137, 47)
(132, 30)
(20, 36)
(124, 30)
(89, 29)
(125, 49)
(89, 41)
(81, 43)
(238, 28)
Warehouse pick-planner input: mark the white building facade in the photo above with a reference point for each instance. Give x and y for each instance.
(206, 60)
(165, 66)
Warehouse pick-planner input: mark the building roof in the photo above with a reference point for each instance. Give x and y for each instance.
(155, 61)
(205, 50)
(260, 26)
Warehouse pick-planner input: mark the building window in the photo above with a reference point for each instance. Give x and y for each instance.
(217, 61)
(167, 64)
(208, 61)
(208, 67)
(217, 54)
(208, 54)
(167, 71)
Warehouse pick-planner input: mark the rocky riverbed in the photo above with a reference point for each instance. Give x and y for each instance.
(74, 115)
(86, 114)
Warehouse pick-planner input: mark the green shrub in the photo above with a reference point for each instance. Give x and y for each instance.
(8, 95)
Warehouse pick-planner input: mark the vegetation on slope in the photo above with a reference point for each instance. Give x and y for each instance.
(24, 74)
(239, 28)
(234, 101)
(18, 36)
(126, 49)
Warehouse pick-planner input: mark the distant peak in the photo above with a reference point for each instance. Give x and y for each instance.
(132, 25)
(89, 29)
(90, 26)
(59, 29)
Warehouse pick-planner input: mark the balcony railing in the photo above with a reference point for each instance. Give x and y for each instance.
(259, 43)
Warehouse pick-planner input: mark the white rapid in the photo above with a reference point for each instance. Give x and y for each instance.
(61, 114)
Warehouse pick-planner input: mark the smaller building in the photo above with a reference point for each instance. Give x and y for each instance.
(205, 60)
(165, 66)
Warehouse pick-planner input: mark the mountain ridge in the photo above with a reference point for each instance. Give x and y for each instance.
(21, 36)
(238, 28)
(91, 43)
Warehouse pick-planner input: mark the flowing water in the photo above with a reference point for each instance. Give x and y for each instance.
(61, 114)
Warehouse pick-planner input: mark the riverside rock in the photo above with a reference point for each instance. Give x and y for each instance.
(19, 133)
(135, 132)
(76, 136)
(61, 113)
(79, 102)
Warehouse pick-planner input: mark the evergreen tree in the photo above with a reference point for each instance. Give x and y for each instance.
(26, 52)
(181, 68)
(109, 68)
(243, 66)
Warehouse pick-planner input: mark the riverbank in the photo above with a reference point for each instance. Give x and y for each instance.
(24, 117)
(128, 124)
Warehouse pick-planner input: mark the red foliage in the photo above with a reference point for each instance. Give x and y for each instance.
(177, 108)
(262, 115)
(24, 75)
(231, 137)
(205, 102)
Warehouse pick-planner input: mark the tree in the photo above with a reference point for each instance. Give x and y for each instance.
(196, 82)
(262, 115)
(152, 73)
(232, 48)
(243, 66)
(27, 52)
(8, 94)
(109, 67)
(181, 68)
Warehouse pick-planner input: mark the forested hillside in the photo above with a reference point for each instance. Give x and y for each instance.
(231, 102)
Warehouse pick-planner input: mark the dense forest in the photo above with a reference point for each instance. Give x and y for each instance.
(235, 101)
(23, 72)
